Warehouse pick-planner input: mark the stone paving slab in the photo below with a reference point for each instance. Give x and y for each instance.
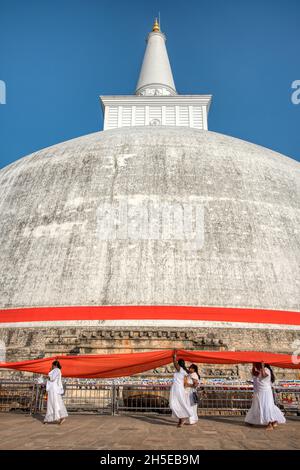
(91, 432)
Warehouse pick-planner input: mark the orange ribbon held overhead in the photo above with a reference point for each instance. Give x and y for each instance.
(125, 365)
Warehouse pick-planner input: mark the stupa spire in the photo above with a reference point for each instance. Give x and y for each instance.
(155, 102)
(156, 76)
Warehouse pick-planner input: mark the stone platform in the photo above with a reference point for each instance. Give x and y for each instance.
(143, 432)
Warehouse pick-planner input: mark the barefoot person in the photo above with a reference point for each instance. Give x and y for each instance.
(191, 382)
(178, 397)
(56, 410)
(263, 410)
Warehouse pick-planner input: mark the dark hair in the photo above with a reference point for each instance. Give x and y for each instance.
(193, 366)
(181, 363)
(267, 366)
(56, 364)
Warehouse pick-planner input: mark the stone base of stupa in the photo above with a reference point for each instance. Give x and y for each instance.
(31, 343)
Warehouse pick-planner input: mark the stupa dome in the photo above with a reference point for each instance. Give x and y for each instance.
(53, 252)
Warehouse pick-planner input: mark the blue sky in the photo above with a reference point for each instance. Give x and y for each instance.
(57, 57)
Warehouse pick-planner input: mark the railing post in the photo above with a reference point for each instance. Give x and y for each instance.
(35, 397)
(32, 398)
(113, 400)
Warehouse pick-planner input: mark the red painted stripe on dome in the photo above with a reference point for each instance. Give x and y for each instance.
(149, 312)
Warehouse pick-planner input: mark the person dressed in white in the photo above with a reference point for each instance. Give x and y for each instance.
(179, 403)
(263, 410)
(191, 382)
(56, 410)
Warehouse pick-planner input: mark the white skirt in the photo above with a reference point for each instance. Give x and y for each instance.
(179, 402)
(193, 419)
(263, 409)
(56, 409)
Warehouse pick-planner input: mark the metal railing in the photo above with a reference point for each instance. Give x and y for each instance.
(79, 398)
(288, 399)
(82, 398)
(142, 398)
(100, 398)
(224, 399)
(17, 396)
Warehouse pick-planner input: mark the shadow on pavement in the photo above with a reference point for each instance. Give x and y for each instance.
(38, 417)
(155, 419)
(236, 421)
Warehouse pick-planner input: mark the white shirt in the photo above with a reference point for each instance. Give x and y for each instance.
(54, 383)
(191, 377)
(262, 383)
(178, 378)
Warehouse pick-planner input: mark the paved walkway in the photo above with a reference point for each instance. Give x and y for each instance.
(142, 432)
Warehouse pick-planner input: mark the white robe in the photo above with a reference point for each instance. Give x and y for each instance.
(56, 409)
(178, 397)
(189, 391)
(263, 409)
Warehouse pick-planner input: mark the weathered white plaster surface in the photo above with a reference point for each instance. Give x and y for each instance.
(51, 253)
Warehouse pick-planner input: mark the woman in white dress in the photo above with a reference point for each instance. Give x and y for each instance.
(56, 410)
(178, 396)
(263, 410)
(191, 383)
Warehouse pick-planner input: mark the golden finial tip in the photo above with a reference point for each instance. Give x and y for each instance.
(156, 27)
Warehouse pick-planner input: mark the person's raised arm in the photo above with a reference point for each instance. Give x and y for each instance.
(176, 365)
(255, 371)
(264, 373)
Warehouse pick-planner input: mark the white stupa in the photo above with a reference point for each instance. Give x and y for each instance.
(155, 148)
